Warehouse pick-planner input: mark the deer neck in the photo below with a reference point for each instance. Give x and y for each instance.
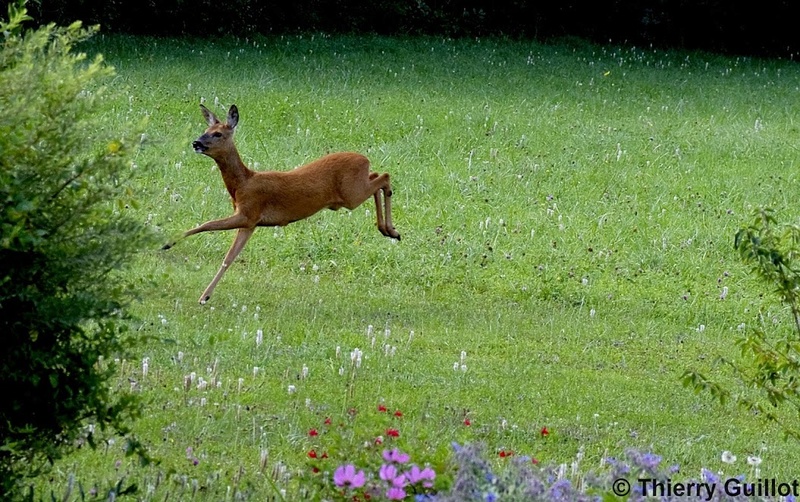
(234, 172)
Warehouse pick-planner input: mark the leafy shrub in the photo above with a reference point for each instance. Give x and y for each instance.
(62, 242)
(769, 375)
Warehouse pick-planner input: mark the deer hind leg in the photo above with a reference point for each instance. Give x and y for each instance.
(238, 244)
(380, 182)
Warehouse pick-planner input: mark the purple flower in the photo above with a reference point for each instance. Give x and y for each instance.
(395, 456)
(708, 476)
(426, 475)
(560, 489)
(346, 475)
(395, 493)
(650, 461)
(388, 472)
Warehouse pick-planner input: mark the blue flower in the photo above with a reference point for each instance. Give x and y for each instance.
(708, 476)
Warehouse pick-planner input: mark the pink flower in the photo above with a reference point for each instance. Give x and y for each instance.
(395, 456)
(388, 472)
(346, 475)
(395, 493)
(426, 475)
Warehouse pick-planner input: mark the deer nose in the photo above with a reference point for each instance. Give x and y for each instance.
(199, 147)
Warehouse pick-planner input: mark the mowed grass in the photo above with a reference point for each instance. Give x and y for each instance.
(567, 214)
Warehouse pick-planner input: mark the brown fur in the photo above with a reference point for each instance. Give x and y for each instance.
(277, 198)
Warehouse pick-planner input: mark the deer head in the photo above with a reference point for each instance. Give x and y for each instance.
(218, 136)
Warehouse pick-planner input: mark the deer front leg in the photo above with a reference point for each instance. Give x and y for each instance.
(238, 244)
(229, 223)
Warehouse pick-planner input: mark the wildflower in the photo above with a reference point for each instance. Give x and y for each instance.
(379, 440)
(504, 453)
(708, 476)
(395, 493)
(544, 432)
(388, 472)
(395, 456)
(467, 422)
(398, 413)
(312, 454)
(327, 421)
(728, 457)
(313, 433)
(560, 489)
(382, 408)
(650, 461)
(753, 460)
(426, 476)
(346, 475)
(394, 433)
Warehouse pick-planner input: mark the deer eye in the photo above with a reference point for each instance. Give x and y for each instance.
(217, 134)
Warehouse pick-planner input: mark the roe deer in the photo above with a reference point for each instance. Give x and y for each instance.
(277, 198)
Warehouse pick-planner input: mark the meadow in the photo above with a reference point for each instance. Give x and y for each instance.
(567, 214)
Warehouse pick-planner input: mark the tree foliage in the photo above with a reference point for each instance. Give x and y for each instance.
(64, 237)
(716, 25)
(769, 374)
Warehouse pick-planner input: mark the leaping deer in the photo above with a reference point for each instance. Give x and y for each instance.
(277, 198)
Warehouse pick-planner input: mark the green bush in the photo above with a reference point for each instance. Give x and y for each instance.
(64, 236)
(768, 374)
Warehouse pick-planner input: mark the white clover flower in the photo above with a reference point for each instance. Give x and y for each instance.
(728, 457)
(291, 389)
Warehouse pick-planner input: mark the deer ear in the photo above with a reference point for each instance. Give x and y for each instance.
(233, 116)
(211, 119)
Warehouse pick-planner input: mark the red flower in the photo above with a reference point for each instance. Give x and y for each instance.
(324, 455)
(394, 433)
(544, 432)
(327, 421)
(315, 470)
(398, 413)
(467, 422)
(504, 453)
(534, 461)
(379, 440)
(313, 432)
(312, 454)
(382, 408)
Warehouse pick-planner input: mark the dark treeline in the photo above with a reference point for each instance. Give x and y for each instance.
(764, 28)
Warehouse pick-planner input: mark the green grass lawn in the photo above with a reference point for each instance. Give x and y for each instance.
(567, 214)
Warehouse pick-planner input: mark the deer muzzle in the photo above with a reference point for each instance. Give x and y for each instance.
(199, 147)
